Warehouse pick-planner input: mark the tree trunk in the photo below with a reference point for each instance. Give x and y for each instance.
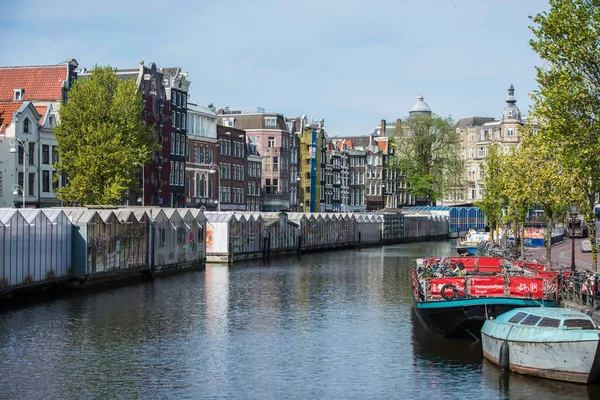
(522, 239)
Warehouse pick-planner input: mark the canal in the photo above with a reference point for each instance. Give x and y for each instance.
(333, 325)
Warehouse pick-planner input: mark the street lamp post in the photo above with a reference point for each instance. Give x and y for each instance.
(13, 149)
(213, 169)
(16, 187)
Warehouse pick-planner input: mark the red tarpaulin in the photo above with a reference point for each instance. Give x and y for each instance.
(437, 283)
(488, 286)
(521, 287)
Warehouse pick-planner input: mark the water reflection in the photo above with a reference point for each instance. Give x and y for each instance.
(331, 325)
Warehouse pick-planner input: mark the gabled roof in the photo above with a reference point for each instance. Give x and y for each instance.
(40, 83)
(9, 108)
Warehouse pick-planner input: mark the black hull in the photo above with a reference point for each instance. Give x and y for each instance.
(459, 322)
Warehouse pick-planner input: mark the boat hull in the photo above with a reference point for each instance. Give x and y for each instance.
(466, 250)
(572, 361)
(464, 318)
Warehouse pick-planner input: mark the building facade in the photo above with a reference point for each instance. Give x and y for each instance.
(254, 174)
(477, 134)
(270, 134)
(30, 97)
(176, 88)
(201, 181)
(232, 168)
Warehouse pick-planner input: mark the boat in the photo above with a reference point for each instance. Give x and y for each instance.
(468, 246)
(554, 343)
(454, 296)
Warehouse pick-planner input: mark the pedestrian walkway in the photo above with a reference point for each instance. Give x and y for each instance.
(561, 254)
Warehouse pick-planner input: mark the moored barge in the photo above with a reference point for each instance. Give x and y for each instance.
(454, 296)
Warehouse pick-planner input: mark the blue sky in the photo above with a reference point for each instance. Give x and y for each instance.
(351, 62)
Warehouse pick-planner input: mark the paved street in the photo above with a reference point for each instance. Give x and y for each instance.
(561, 254)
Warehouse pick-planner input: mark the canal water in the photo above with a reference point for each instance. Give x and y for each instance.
(333, 325)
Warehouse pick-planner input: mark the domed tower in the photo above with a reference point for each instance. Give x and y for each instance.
(511, 111)
(420, 107)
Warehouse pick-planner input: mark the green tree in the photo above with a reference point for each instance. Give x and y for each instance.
(428, 152)
(544, 179)
(567, 39)
(517, 191)
(102, 139)
(494, 200)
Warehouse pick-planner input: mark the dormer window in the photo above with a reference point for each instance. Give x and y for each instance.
(18, 94)
(510, 113)
(270, 121)
(26, 125)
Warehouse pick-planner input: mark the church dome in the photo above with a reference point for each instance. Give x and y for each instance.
(420, 107)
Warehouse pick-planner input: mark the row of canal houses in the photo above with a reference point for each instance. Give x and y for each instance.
(91, 244)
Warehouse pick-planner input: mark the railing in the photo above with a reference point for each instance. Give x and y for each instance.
(580, 288)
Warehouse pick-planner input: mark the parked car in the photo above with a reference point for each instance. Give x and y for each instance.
(586, 245)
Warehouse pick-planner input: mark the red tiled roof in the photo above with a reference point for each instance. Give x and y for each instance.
(7, 110)
(42, 111)
(40, 82)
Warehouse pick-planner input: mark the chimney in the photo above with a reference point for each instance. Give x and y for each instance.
(398, 124)
(382, 134)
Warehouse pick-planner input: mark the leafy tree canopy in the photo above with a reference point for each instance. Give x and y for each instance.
(102, 139)
(428, 152)
(567, 103)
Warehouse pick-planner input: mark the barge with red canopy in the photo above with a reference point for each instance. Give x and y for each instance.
(454, 296)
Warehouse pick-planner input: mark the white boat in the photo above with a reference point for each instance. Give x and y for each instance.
(553, 343)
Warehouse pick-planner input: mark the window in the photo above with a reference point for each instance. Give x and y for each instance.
(579, 324)
(172, 143)
(271, 141)
(275, 164)
(481, 152)
(517, 317)
(31, 184)
(31, 152)
(481, 135)
(270, 121)
(54, 154)
(26, 125)
(45, 181)
(549, 322)
(45, 154)
(171, 173)
(472, 136)
(510, 132)
(531, 320)
(54, 180)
